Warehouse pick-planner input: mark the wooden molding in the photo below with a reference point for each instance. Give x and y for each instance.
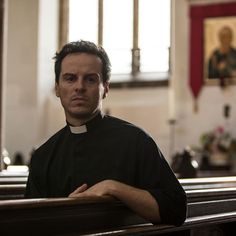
(63, 22)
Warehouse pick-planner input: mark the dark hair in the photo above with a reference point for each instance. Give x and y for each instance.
(83, 47)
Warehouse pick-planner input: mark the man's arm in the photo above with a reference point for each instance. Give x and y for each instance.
(139, 200)
(31, 191)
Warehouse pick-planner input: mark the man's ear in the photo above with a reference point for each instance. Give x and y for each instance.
(57, 89)
(106, 89)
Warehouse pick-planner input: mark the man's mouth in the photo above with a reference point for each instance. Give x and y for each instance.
(79, 98)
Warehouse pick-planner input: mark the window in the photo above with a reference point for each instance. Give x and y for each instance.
(154, 35)
(117, 34)
(83, 20)
(135, 34)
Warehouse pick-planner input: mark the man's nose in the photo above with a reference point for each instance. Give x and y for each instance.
(80, 85)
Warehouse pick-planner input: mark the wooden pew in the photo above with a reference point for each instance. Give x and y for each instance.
(207, 183)
(12, 185)
(54, 216)
(12, 191)
(13, 180)
(106, 216)
(211, 206)
(8, 174)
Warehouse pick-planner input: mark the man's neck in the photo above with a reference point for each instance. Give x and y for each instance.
(78, 121)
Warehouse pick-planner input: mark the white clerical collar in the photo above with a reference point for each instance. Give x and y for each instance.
(78, 129)
(91, 124)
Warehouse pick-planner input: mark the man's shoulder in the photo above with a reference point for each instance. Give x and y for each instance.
(53, 140)
(119, 124)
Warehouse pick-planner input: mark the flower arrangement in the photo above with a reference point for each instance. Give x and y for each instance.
(218, 142)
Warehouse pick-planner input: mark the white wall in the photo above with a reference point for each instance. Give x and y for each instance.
(31, 42)
(33, 113)
(21, 75)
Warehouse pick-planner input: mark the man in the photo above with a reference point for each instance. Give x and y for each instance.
(95, 154)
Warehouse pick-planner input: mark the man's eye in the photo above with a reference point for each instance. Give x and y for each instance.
(70, 78)
(91, 79)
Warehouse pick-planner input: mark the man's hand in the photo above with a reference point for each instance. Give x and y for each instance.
(99, 189)
(139, 200)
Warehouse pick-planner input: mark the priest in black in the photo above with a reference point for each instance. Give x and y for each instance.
(96, 154)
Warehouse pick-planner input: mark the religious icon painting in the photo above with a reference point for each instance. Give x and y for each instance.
(212, 45)
(219, 50)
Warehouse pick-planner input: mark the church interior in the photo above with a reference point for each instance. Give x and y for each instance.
(190, 116)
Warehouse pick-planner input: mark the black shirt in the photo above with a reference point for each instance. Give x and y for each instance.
(105, 148)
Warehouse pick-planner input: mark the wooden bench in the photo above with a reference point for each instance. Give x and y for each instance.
(12, 191)
(211, 206)
(207, 183)
(12, 187)
(13, 180)
(106, 216)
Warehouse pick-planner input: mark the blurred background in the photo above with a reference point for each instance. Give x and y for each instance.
(148, 42)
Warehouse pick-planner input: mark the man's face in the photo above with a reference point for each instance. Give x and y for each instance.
(80, 86)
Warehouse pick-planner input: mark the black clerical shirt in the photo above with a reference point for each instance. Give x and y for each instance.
(105, 148)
